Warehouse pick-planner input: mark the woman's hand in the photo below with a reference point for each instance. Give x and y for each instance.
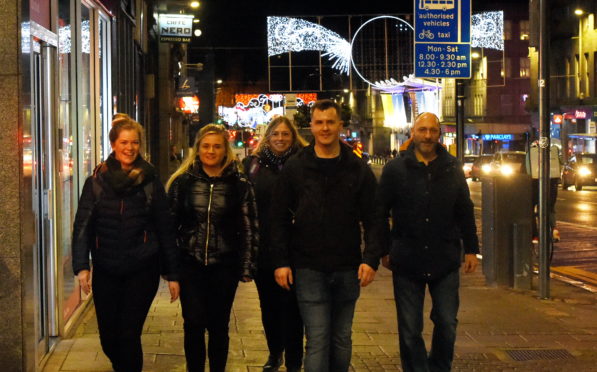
(174, 288)
(84, 277)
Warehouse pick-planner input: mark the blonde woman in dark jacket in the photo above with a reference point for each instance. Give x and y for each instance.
(123, 221)
(282, 322)
(215, 213)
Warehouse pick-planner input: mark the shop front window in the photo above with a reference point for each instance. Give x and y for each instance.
(66, 197)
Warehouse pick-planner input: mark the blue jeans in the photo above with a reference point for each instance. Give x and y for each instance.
(326, 302)
(410, 296)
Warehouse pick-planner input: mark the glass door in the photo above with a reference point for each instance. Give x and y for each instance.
(42, 115)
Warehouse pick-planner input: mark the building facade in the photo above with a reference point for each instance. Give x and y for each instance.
(573, 75)
(496, 96)
(67, 67)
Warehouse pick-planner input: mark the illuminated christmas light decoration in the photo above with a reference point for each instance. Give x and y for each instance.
(26, 37)
(285, 34)
(488, 30)
(386, 83)
(253, 109)
(64, 38)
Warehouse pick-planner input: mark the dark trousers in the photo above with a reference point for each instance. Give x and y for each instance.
(281, 318)
(121, 306)
(410, 296)
(206, 296)
(327, 301)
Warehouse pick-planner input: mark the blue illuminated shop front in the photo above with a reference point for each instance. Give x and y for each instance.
(491, 143)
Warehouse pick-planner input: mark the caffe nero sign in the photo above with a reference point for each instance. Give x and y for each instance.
(176, 28)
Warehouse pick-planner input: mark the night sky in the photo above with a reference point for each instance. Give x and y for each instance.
(236, 30)
(232, 23)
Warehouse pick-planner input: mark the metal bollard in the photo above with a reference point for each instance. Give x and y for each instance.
(521, 255)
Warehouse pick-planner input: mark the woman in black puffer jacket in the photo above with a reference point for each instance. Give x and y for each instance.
(214, 210)
(123, 220)
(282, 322)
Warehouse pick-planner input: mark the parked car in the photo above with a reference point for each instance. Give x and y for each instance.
(506, 163)
(481, 166)
(467, 166)
(580, 170)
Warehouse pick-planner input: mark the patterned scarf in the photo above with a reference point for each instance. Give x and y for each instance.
(278, 160)
(124, 182)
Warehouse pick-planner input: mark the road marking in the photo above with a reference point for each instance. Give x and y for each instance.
(576, 273)
(577, 201)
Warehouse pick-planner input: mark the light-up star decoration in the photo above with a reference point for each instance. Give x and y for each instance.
(286, 34)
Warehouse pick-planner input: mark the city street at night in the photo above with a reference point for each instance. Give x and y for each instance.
(202, 147)
(575, 255)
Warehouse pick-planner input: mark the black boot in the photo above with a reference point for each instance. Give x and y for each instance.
(274, 361)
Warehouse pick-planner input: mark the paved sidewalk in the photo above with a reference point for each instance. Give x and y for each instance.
(497, 326)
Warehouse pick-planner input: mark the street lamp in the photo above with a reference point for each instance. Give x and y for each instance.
(579, 13)
(195, 4)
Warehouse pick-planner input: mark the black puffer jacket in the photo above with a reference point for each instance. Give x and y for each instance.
(263, 174)
(216, 217)
(316, 216)
(123, 219)
(432, 214)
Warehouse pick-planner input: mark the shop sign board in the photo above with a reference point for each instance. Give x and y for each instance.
(442, 39)
(176, 28)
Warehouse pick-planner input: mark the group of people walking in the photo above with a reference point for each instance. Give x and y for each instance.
(293, 217)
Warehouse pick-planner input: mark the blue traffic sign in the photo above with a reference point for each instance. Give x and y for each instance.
(442, 38)
(435, 60)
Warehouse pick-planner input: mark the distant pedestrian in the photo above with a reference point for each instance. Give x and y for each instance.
(174, 160)
(432, 220)
(322, 196)
(215, 214)
(279, 310)
(123, 220)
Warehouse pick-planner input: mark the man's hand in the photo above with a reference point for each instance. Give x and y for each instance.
(283, 277)
(366, 274)
(174, 288)
(84, 277)
(470, 263)
(385, 261)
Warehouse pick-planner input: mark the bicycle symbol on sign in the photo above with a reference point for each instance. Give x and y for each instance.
(426, 34)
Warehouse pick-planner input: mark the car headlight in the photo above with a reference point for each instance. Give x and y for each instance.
(584, 171)
(506, 170)
(486, 168)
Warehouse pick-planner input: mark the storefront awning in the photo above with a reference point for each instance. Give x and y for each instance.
(589, 136)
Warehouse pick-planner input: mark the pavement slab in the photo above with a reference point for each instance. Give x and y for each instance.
(493, 321)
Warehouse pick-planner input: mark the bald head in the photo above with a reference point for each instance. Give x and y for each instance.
(427, 117)
(425, 135)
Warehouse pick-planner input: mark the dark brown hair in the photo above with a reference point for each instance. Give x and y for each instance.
(122, 122)
(324, 104)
